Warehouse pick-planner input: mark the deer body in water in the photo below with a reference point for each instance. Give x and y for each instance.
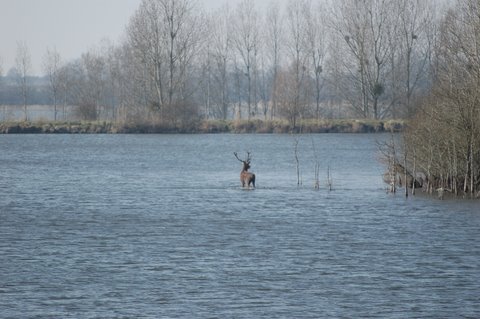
(246, 178)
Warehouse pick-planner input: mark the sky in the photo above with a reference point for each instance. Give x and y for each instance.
(71, 27)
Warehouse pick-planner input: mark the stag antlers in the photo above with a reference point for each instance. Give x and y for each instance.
(248, 160)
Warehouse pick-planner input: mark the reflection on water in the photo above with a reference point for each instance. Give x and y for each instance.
(157, 226)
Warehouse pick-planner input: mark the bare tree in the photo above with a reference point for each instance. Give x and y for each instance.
(292, 97)
(412, 48)
(219, 52)
(350, 23)
(23, 65)
(264, 84)
(65, 86)
(316, 46)
(335, 82)
(51, 66)
(146, 39)
(111, 74)
(89, 85)
(206, 75)
(379, 23)
(238, 80)
(222, 45)
(180, 29)
(165, 36)
(295, 105)
(364, 26)
(389, 45)
(246, 43)
(274, 39)
(129, 85)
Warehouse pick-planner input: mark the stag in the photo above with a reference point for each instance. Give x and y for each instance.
(246, 178)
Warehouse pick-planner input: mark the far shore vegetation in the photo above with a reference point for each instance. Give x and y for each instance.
(203, 127)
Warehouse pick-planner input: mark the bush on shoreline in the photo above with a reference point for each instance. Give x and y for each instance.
(204, 127)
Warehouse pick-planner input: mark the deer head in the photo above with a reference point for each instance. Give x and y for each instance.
(246, 162)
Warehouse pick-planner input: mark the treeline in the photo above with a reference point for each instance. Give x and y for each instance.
(307, 60)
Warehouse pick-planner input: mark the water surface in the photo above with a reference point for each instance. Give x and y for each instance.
(157, 226)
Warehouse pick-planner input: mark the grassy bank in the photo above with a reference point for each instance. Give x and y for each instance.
(203, 127)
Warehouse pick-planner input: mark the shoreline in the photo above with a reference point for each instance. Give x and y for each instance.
(355, 126)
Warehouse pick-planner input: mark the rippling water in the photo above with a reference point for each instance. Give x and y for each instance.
(156, 226)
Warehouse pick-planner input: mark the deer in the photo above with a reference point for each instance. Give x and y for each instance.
(246, 178)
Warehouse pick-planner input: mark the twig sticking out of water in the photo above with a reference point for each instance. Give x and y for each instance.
(299, 181)
(317, 167)
(388, 156)
(329, 180)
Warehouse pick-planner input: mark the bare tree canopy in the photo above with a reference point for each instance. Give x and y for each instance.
(297, 60)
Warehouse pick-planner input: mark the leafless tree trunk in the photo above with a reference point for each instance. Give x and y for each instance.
(350, 22)
(23, 64)
(316, 46)
(329, 179)
(317, 166)
(274, 39)
(335, 79)
(112, 71)
(206, 75)
(414, 38)
(414, 172)
(405, 168)
(221, 38)
(51, 66)
(263, 85)
(180, 29)
(246, 42)
(297, 161)
(297, 74)
(238, 88)
(379, 22)
(388, 155)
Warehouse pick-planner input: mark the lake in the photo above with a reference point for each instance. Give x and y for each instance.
(157, 226)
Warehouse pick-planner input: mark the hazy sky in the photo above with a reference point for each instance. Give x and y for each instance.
(70, 26)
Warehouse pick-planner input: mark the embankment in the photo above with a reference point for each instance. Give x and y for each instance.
(204, 127)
